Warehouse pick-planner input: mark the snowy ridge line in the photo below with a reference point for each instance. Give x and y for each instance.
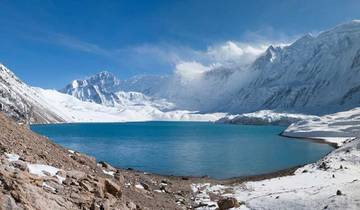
(297, 77)
(265, 117)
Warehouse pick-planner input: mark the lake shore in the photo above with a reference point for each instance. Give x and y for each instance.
(65, 173)
(328, 183)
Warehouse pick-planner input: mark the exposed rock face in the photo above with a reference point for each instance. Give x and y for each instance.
(38, 174)
(21, 102)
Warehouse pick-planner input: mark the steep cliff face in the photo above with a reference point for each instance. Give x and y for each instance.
(22, 102)
(316, 74)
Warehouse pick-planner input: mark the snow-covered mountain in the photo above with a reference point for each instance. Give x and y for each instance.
(36, 105)
(315, 74)
(104, 88)
(22, 102)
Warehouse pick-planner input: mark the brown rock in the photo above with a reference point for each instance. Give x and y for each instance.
(86, 185)
(76, 174)
(119, 177)
(131, 205)
(8, 203)
(228, 203)
(112, 188)
(20, 165)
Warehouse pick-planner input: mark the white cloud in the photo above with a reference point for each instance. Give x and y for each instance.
(190, 70)
(234, 52)
(76, 44)
(229, 54)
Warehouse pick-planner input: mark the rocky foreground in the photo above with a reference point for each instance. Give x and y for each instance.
(38, 174)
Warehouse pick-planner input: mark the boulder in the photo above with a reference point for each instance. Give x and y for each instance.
(119, 177)
(20, 165)
(107, 166)
(86, 185)
(112, 188)
(75, 174)
(228, 203)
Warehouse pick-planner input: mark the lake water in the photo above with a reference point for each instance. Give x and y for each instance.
(187, 148)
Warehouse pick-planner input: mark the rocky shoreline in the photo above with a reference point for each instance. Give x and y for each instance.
(36, 173)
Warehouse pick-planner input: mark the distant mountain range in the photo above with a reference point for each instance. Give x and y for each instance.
(36, 105)
(316, 74)
(104, 88)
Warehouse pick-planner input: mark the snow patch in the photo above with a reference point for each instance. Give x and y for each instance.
(12, 157)
(111, 173)
(333, 128)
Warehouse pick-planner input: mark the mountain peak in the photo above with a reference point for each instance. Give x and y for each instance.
(105, 74)
(102, 75)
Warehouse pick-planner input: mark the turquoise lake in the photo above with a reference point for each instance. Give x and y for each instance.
(187, 148)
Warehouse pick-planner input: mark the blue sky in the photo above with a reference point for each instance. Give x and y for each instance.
(47, 43)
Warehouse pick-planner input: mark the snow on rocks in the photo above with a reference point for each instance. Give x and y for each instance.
(110, 173)
(42, 170)
(332, 182)
(12, 157)
(139, 186)
(37, 169)
(266, 117)
(333, 128)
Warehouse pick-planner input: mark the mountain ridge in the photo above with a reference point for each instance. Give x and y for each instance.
(315, 74)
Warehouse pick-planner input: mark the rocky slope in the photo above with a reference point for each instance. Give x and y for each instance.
(38, 174)
(22, 102)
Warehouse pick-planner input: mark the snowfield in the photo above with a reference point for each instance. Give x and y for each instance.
(333, 128)
(72, 109)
